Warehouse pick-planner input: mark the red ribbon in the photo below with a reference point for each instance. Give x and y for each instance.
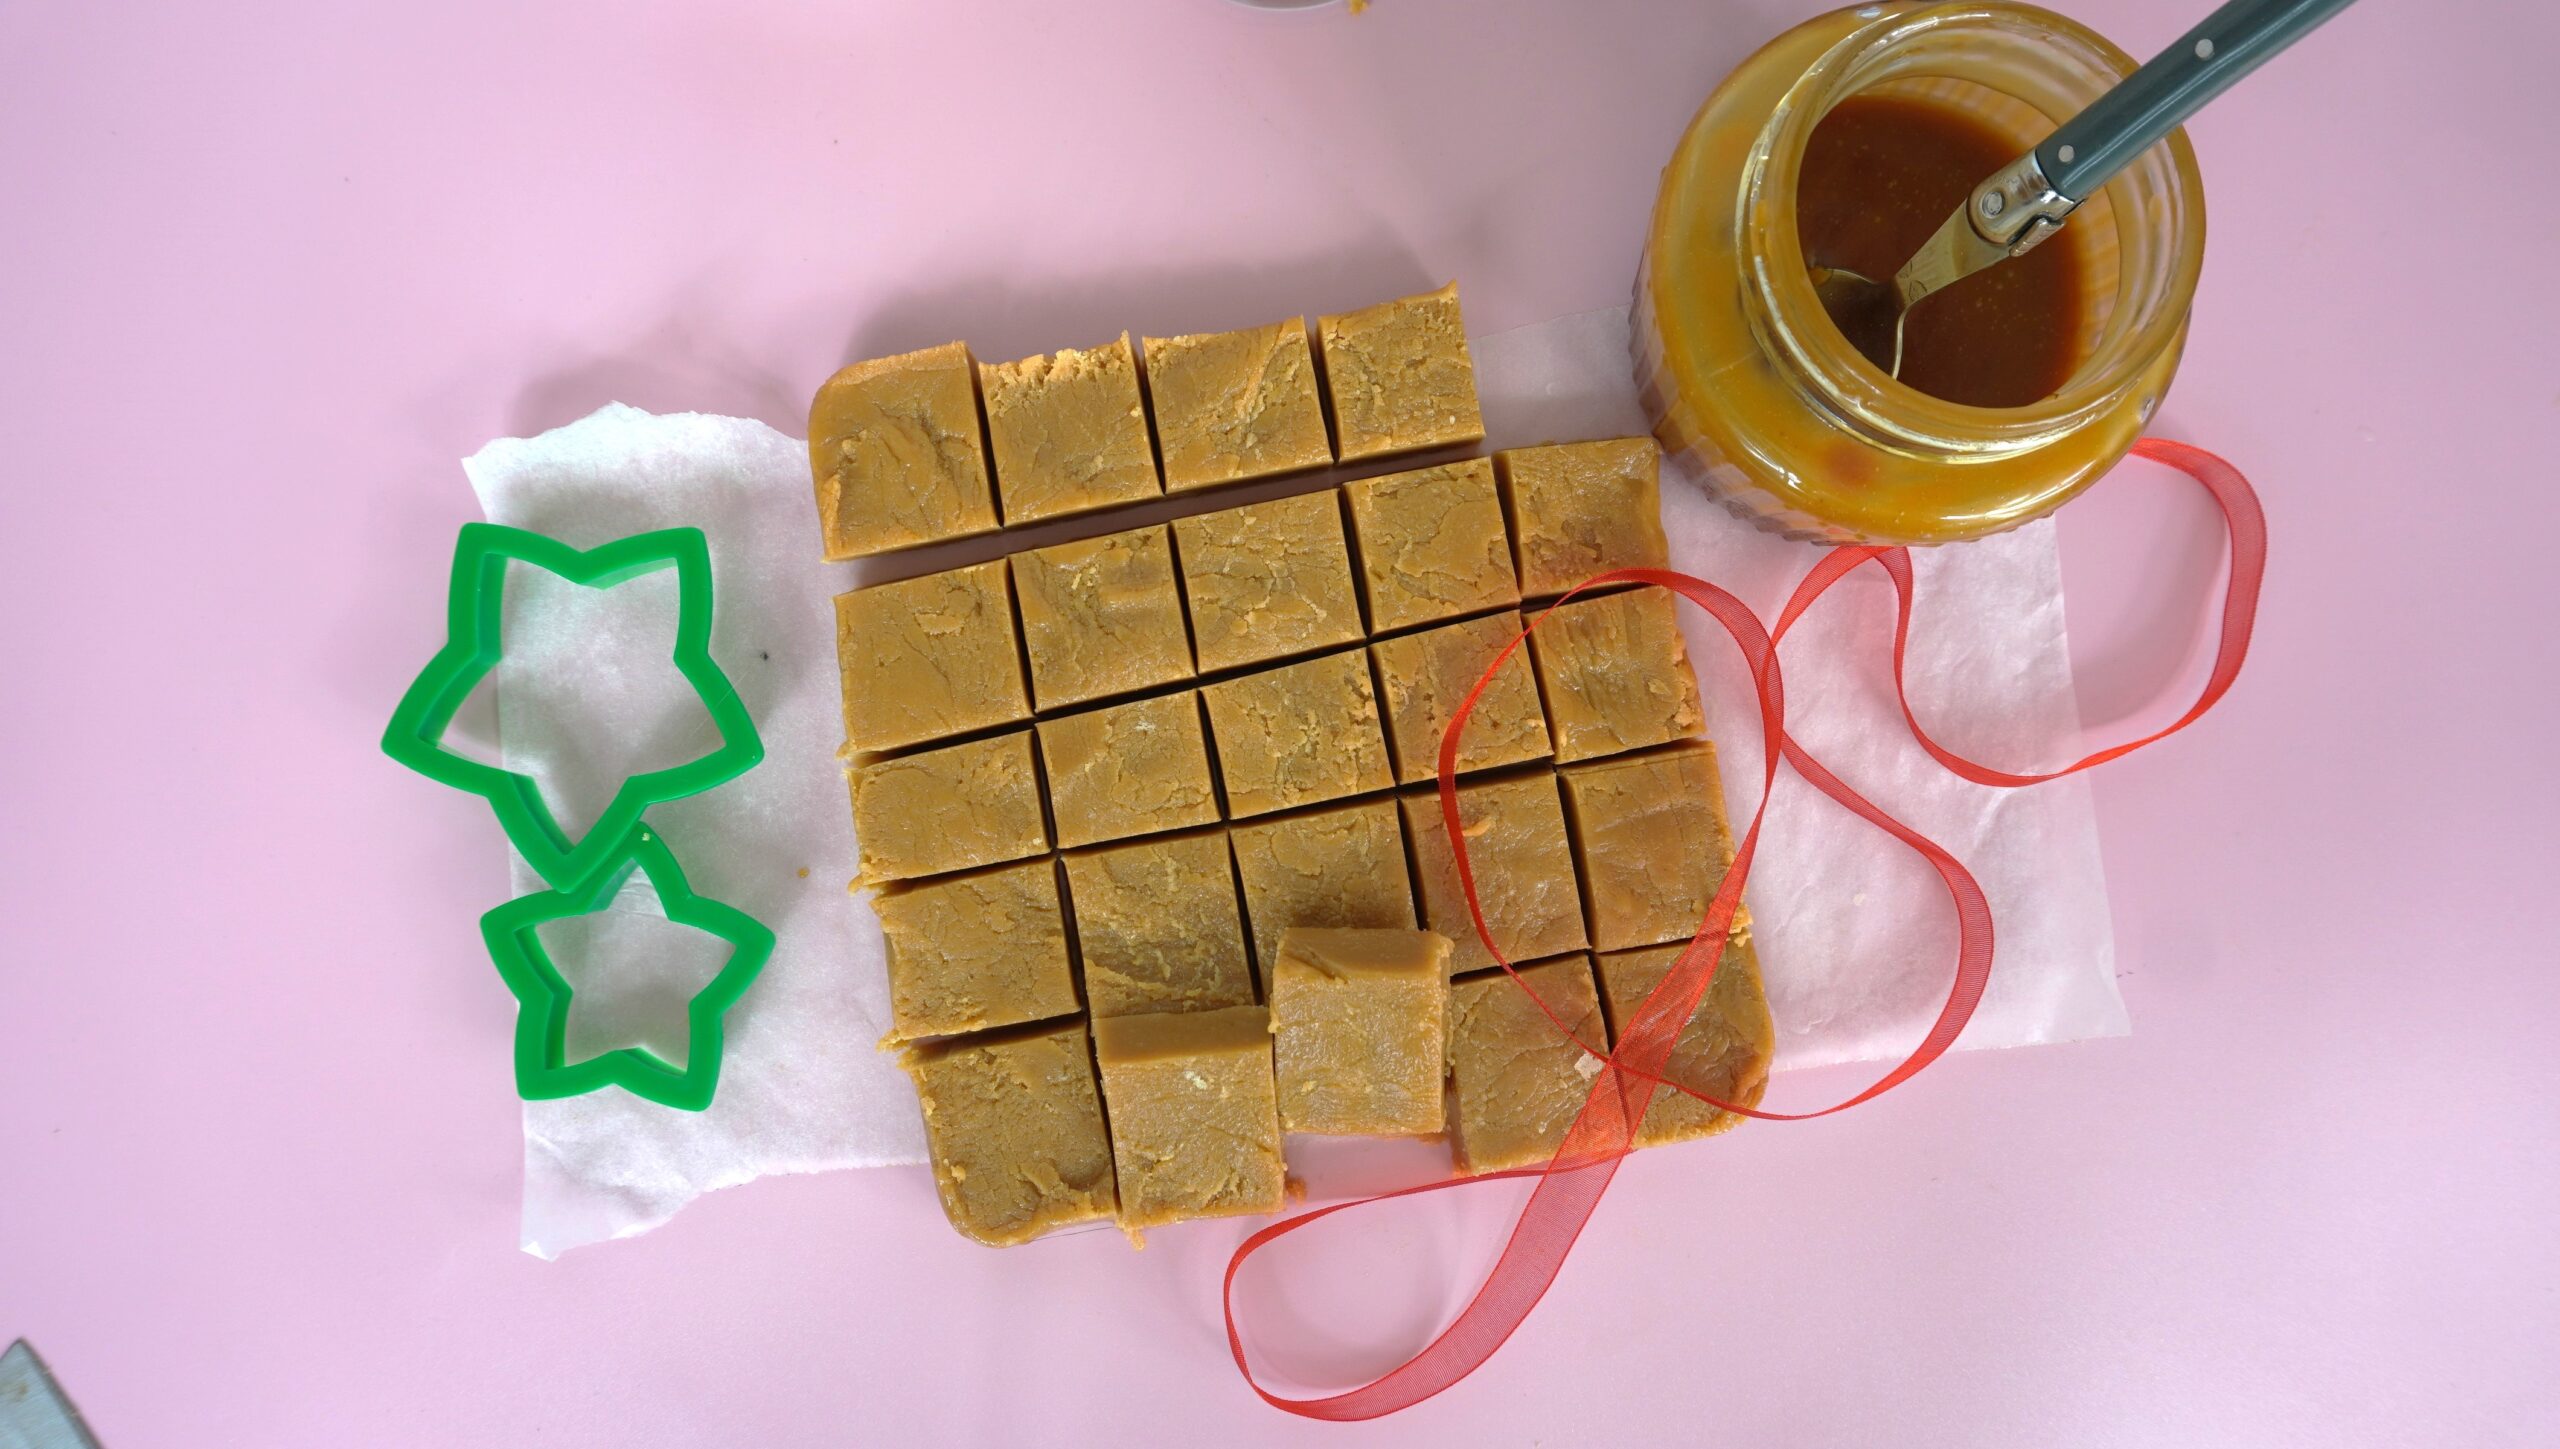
(1570, 1186)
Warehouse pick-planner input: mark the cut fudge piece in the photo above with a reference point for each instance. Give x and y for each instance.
(1423, 678)
(967, 952)
(1159, 926)
(1236, 405)
(1267, 580)
(1338, 867)
(1101, 616)
(894, 445)
(1651, 838)
(1015, 1129)
(929, 657)
(1298, 734)
(1131, 769)
(1617, 675)
(949, 809)
(1516, 1083)
(1400, 377)
(1069, 432)
(1723, 1051)
(1194, 1128)
(1579, 509)
(1523, 863)
(1359, 1019)
(1432, 544)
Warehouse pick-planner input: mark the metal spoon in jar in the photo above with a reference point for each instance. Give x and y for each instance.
(2027, 200)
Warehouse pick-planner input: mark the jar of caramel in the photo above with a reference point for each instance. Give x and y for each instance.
(1843, 143)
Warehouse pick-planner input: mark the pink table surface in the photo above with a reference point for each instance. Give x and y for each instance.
(267, 271)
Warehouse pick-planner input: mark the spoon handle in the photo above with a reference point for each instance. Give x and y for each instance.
(2094, 145)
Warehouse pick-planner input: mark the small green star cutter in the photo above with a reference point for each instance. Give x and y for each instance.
(472, 647)
(543, 996)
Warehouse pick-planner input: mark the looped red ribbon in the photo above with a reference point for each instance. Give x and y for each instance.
(1570, 1186)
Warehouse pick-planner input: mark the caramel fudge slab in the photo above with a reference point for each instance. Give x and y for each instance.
(894, 446)
(1432, 544)
(1523, 863)
(1724, 1050)
(1423, 678)
(949, 809)
(1230, 406)
(1101, 616)
(1616, 674)
(1400, 377)
(1339, 867)
(1130, 769)
(1267, 581)
(1578, 509)
(969, 952)
(1014, 1125)
(1195, 1129)
(1069, 432)
(1649, 832)
(1298, 735)
(1515, 1083)
(1159, 926)
(929, 657)
(1358, 1026)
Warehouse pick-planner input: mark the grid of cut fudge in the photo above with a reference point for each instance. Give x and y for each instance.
(1195, 1129)
(1014, 1126)
(949, 809)
(1523, 863)
(929, 657)
(1400, 377)
(1579, 509)
(1424, 677)
(1069, 432)
(1230, 406)
(1129, 769)
(969, 952)
(895, 450)
(1724, 1049)
(1159, 926)
(1649, 833)
(1338, 867)
(1358, 1027)
(1432, 544)
(1515, 1082)
(1616, 674)
(1101, 616)
(1299, 734)
(1267, 581)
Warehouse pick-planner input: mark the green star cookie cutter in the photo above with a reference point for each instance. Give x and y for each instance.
(543, 996)
(472, 647)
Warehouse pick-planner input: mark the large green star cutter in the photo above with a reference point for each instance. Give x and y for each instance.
(543, 996)
(472, 647)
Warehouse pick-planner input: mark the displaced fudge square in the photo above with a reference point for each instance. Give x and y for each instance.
(968, 952)
(929, 657)
(1516, 1084)
(1159, 926)
(1069, 432)
(950, 809)
(1268, 580)
(1616, 673)
(1236, 405)
(1579, 509)
(1194, 1125)
(1523, 863)
(1130, 769)
(1432, 544)
(1724, 1050)
(1423, 678)
(1359, 1020)
(1101, 616)
(894, 445)
(1298, 734)
(1014, 1125)
(1400, 377)
(1651, 837)
(1338, 867)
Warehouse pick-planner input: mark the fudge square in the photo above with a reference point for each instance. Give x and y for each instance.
(1160, 926)
(1650, 833)
(1432, 544)
(894, 446)
(1358, 1022)
(1616, 673)
(1101, 616)
(1723, 1051)
(1400, 377)
(1069, 432)
(1523, 864)
(1338, 867)
(929, 657)
(1194, 1125)
(1129, 769)
(948, 809)
(1230, 406)
(1298, 734)
(1014, 1125)
(1422, 679)
(1268, 580)
(1515, 1083)
(1578, 509)
(968, 952)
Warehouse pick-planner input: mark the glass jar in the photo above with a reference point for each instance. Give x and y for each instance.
(1756, 394)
